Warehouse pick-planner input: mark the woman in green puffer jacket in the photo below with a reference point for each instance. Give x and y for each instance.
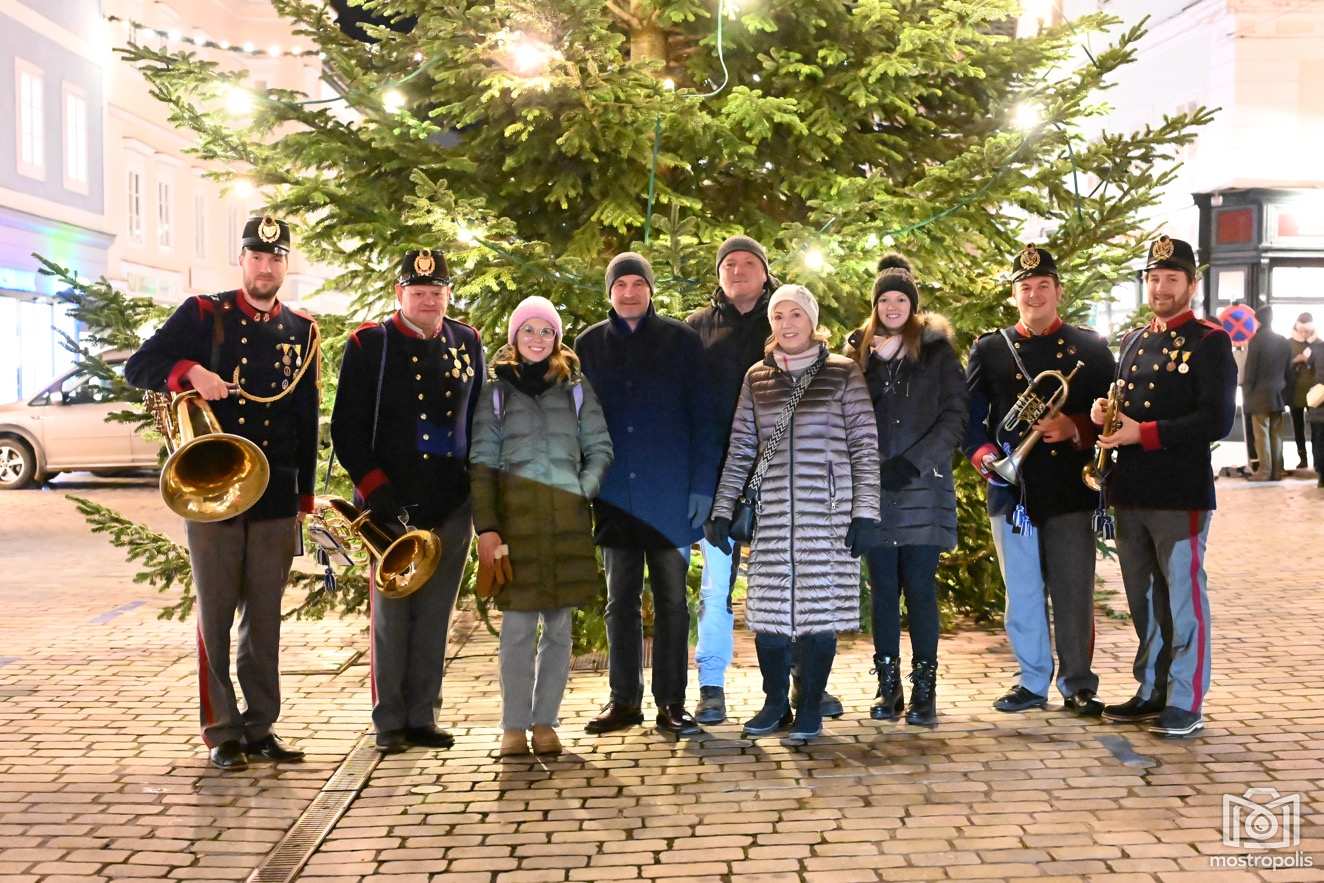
(538, 452)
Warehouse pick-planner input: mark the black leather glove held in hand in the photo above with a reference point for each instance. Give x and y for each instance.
(862, 535)
(896, 473)
(717, 531)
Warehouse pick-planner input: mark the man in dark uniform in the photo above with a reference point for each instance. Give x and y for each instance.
(255, 360)
(1043, 525)
(403, 413)
(1180, 397)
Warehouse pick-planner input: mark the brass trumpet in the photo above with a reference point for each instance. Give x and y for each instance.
(401, 565)
(210, 475)
(1094, 474)
(1029, 408)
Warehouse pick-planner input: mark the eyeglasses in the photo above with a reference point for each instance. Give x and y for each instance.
(544, 333)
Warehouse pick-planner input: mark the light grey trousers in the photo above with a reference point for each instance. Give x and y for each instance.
(239, 566)
(534, 668)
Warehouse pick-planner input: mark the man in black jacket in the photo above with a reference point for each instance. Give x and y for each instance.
(1180, 397)
(255, 360)
(1267, 382)
(404, 407)
(647, 371)
(1042, 525)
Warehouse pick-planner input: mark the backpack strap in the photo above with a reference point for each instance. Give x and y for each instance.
(577, 396)
(498, 400)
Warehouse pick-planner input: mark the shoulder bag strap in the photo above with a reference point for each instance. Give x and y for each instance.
(779, 430)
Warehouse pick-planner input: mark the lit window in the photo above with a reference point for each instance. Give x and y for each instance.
(165, 236)
(136, 205)
(200, 226)
(75, 140)
(31, 145)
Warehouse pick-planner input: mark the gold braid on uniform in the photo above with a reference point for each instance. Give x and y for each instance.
(314, 347)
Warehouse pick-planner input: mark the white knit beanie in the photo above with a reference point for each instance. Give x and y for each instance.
(802, 298)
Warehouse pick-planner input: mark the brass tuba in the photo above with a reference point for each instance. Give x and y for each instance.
(400, 564)
(210, 475)
(1094, 474)
(1029, 408)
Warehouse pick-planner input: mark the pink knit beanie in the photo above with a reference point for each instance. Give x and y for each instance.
(533, 307)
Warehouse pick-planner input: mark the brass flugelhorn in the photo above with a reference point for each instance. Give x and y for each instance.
(1095, 473)
(210, 475)
(401, 563)
(1029, 408)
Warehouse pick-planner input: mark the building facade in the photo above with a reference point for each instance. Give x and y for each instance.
(97, 179)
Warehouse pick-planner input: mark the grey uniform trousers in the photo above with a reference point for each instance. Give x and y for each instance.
(409, 635)
(240, 566)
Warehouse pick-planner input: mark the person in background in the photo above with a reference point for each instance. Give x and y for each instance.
(1265, 390)
(1303, 377)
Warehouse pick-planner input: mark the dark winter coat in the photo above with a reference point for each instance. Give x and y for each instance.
(1317, 362)
(920, 407)
(534, 469)
(659, 410)
(1268, 373)
(802, 578)
(225, 334)
(732, 344)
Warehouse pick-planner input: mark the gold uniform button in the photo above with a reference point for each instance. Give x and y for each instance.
(448, 394)
(1133, 386)
(427, 456)
(1053, 452)
(243, 401)
(418, 376)
(427, 437)
(1151, 384)
(264, 443)
(1146, 404)
(1018, 376)
(1059, 355)
(422, 416)
(414, 359)
(450, 413)
(1140, 352)
(243, 340)
(241, 421)
(1060, 341)
(243, 361)
(243, 321)
(420, 396)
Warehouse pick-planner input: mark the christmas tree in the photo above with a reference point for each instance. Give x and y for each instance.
(532, 140)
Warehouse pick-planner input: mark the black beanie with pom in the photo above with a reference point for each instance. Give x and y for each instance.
(894, 274)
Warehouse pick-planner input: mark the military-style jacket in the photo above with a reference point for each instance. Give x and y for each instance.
(1050, 477)
(1181, 386)
(429, 390)
(264, 352)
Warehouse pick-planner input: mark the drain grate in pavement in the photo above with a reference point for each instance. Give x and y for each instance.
(288, 857)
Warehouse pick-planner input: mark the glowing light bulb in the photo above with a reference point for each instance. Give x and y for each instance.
(1027, 116)
(173, 35)
(468, 235)
(224, 44)
(814, 260)
(669, 84)
(243, 188)
(393, 100)
(871, 241)
(238, 101)
(418, 56)
(248, 46)
(273, 50)
(889, 240)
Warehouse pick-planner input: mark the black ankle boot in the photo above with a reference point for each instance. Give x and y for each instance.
(891, 698)
(923, 685)
(774, 654)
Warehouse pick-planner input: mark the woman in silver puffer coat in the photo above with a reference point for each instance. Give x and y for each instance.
(819, 508)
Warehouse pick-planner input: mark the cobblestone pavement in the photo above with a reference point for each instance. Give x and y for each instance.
(102, 775)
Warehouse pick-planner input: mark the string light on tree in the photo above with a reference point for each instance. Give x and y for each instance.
(1027, 116)
(243, 188)
(393, 100)
(468, 235)
(238, 101)
(814, 260)
(528, 56)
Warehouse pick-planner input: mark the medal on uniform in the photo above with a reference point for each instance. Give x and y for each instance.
(1172, 366)
(1184, 368)
(455, 372)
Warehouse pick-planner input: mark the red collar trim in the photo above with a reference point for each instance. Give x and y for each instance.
(1024, 331)
(399, 322)
(1177, 321)
(252, 312)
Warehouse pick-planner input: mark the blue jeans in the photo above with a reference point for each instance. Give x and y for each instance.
(716, 620)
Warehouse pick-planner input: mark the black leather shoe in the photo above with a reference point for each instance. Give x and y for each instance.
(712, 706)
(1175, 721)
(429, 737)
(392, 741)
(1133, 710)
(229, 756)
(615, 717)
(272, 748)
(1020, 699)
(1083, 704)
(674, 719)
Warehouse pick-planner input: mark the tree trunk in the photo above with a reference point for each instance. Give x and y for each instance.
(647, 41)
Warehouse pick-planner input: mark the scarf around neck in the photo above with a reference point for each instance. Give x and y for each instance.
(798, 363)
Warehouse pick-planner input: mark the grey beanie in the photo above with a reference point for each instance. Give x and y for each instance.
(629, 263)
(743, 243)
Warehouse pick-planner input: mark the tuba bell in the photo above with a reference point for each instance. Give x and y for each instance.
(1029, 408)
(210, 475)
(401, 564)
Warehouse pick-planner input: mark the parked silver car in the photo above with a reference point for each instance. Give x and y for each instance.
(64, 428)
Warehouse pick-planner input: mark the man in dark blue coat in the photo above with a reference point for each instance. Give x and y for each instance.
(648, 373)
